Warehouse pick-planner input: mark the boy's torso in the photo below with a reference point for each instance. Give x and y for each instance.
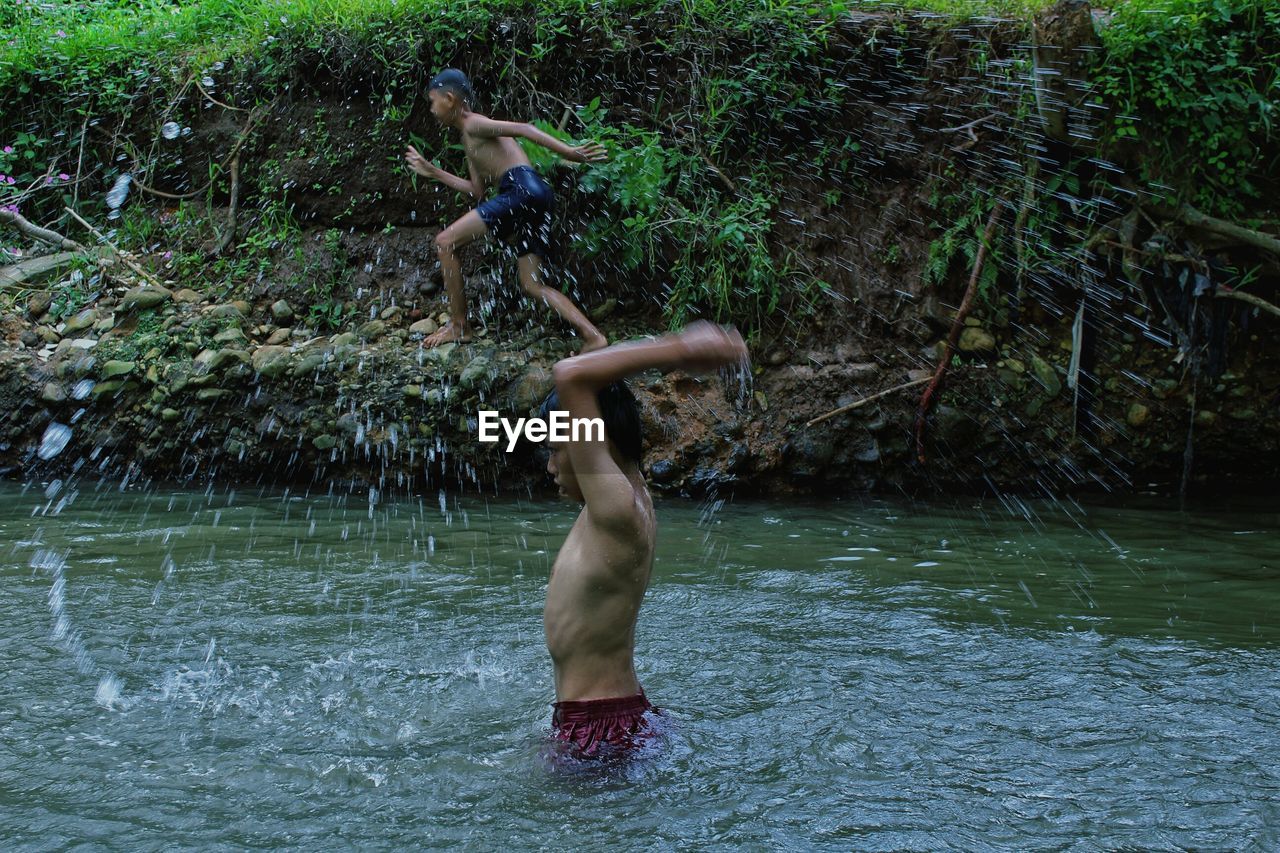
(492, 157)
(593, 598)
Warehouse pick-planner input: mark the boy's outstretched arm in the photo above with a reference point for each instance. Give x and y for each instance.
(592, 152)
(427, 169)
(700, 347)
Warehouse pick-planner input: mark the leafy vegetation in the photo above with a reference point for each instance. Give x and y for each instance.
(1199, 71)
(1199, 82)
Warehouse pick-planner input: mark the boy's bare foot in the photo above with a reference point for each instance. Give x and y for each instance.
(449, 333)
(595, 343)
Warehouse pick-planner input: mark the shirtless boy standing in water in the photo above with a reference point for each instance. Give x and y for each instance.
(521, 210)
(600, 575)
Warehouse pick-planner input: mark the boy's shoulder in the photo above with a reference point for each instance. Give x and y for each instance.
(472, 119)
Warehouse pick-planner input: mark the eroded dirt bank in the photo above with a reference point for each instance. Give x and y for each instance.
(258, 386)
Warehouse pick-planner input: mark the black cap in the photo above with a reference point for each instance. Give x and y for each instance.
(453, 80)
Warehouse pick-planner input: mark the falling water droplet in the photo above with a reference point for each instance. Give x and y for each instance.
(119, 191)
(55, 438)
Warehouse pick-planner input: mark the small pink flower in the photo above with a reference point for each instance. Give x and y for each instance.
(10, 180)
(8, 149)
(60, 34)
(167, 255)
(63, 176)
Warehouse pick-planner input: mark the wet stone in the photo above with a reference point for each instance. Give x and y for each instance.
(204, 395)
(281, 312)
(117, 368)
(38, 304)
(271, 361)
(111, 388)
(80, 322)
(1206, 418)
(532, 388)
(476, 371)
(187, 295)
(977, 341)
(324, 442)
(1137, 415)
(347, 339)
(169, 415)
(230, 336)
(424, 327)
(53, 393)
(1046, 375)
(309, 364)
(372, 330)
(440, 354)
(279, 336)
(145, 297)
(226, 311)
(349, 424)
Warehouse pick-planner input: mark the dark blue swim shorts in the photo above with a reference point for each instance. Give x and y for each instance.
(521, 211)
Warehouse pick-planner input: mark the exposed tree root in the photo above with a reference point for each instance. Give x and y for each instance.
(930, 392)
(229, 234)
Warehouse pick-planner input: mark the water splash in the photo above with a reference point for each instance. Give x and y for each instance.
(56, 436)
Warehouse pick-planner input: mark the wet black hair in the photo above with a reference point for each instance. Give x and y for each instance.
(453, 80)
(620, 413)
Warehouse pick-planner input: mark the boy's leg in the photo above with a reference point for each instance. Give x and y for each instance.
(531, 280)
(448, 242)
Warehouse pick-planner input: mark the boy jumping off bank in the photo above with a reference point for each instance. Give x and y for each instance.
(521, 212)
(599, 577)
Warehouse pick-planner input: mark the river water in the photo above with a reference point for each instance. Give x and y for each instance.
(228, 669)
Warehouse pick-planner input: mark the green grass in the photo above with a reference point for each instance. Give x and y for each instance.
(76, 45)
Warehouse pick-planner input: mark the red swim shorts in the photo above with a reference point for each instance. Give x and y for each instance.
(591, 723)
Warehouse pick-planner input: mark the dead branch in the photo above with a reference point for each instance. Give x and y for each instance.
(229, 234)
(19, 276)
(84, 127)
(860, 403)
(214, 100)
(1188, 215)
(44, 235)
(926, 400)
(1257, 302)
(969, 126)
(128, 261)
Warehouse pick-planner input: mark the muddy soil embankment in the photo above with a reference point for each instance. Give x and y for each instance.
(165, 380)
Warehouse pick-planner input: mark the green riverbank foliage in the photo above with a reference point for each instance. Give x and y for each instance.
(1197, 78)
(1198, 83)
